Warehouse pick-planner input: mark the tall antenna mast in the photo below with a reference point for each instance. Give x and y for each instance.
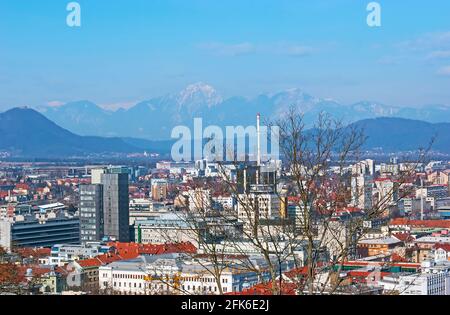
(421, 198)
(258, 132)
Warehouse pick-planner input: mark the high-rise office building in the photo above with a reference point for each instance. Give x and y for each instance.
(159, 189)
(116, 203)
(362, 190)
(261, 204)
(199, 200)
(104, 205)
(91, 212)
(248, 175)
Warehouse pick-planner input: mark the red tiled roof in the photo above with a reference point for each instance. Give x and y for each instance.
(62, 270)
(365, 273)
(33, 252)
(397, 258)
(36, 271)
(445, 247)
(92, 262)
(292, 274)
(297, 272)
(42, 252)
(22, 186)
(404, 237)
(132, 250)
(294, 199)
(109, 258)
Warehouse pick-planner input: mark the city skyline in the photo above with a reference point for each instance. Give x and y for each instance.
(223, 153)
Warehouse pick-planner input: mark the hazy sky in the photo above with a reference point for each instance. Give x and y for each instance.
(130, 50)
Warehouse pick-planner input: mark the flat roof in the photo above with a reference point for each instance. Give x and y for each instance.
(381, 241)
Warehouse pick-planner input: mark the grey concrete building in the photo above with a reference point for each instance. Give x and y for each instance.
(116, 203)
(91, 213)
(30, 231)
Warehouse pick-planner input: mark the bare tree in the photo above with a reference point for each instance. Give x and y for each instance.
(320, 235)
(321, 195)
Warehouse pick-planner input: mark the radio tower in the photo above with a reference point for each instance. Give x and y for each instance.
(258, 134)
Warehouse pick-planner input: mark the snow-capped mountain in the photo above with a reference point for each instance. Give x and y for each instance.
(198, 94)
(155, 118)
(375, 108)
(294, 97)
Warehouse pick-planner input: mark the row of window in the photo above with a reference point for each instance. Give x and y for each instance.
(125, 276)
(203, 280)
(135, 285)
(205, 289)
(142, 277)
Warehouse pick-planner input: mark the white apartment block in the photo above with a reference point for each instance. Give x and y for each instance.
(266, 204)
(434, 279)
(62, 254)
(362, 190)
(169, 274)
(226, 202)
(168, 227)
(199, 199)
(425, 284)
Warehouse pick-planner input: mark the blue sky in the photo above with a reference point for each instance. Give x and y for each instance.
(131, 50)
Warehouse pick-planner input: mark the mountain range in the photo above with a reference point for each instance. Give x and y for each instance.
(392, 135)
(155, 118)
(25, 132)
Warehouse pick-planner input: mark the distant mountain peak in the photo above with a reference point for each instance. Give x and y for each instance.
(295, 91)
(292, 92)
(376, 108)
(199, 94)
(293, 97)
(296, 94)
(23, 111)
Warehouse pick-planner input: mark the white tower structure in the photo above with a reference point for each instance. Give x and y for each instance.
(258, 132)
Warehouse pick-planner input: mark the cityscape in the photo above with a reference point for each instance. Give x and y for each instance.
(182, 190)
(323, 223)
